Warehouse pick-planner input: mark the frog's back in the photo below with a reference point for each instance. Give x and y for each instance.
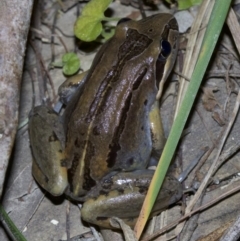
(109, 128)
(109, 125)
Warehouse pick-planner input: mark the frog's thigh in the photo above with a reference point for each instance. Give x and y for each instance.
(125, 203)
(48, 167)
(157, 133)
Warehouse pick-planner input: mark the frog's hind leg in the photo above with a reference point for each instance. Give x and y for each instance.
(47, 143)
(157, 132)
(121, 195)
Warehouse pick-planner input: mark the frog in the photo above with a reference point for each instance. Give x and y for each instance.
(100, 149)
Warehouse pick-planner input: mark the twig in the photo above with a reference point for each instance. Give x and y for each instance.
(186, 216)
(233, 233)
(185, 173)
(43, 65)
(221, 74)
(193, 49)
(220, 147)
(226, 155)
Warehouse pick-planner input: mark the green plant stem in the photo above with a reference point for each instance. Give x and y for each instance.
(213, 31)
(12, 228)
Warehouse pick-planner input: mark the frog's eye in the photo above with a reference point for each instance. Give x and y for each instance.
(165, 50)
(123, 20)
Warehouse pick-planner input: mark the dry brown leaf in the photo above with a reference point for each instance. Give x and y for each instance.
(211, 104)
(216, 234)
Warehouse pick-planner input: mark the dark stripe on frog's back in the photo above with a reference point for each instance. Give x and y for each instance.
(134, 45)
(115, 146)
(128, 50)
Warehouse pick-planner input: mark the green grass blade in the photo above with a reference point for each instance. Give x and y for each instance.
(213, 31)
(12, 228)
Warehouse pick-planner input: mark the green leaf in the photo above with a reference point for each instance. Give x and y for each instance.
(96, 8)
(108, 34)
(10, 224)
(88, 26)
(71, 63)
(184, 4)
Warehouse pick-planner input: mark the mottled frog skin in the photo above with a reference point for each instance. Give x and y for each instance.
(99, 150)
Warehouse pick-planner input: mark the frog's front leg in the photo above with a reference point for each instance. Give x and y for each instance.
(47, 143)
(47, 138)
(157, 132)
(70, 86)
(121, 195)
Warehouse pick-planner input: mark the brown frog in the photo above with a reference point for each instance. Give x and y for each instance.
(99, 150)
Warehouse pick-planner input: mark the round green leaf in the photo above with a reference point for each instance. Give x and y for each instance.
(96, 8)
(108, 34)
(71, 63)
(88, 28)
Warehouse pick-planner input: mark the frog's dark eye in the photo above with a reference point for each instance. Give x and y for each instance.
(123, 20)
(165, 50)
